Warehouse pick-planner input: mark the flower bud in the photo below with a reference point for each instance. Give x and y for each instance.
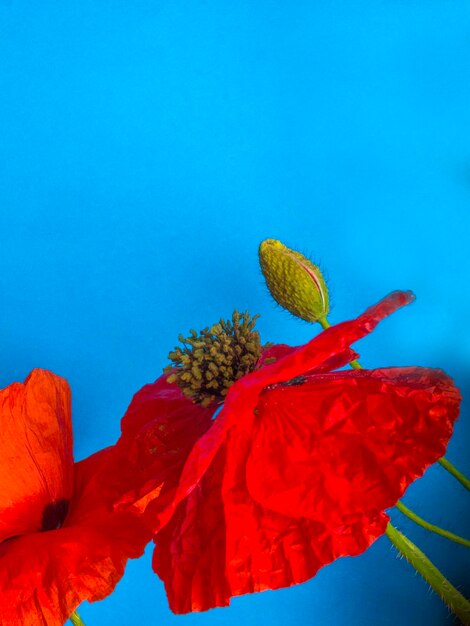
(294, 281)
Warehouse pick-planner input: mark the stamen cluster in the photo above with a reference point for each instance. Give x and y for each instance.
(211, 361)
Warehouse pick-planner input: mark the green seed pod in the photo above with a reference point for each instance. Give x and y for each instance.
(294, 281)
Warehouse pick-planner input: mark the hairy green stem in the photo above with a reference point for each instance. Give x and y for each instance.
(455, 472)
(431, 527)
(76, 619)
(446, 591)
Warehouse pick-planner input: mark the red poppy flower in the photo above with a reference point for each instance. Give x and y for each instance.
(60, 540)
(295, 471)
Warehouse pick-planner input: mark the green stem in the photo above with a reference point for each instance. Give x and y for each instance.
(455, 472)
(447, 592)
(324, 323)
(76, 619)
(431, 527)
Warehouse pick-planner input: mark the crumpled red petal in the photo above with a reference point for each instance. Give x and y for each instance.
(44, 576)
(189, 554)
(220, 543)
(344, 445)
(36, 462)
(159, 430)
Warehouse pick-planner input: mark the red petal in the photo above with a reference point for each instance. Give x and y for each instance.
(189, 554)
(345, 445)
(273, 353)
(160, 428)
(266, 549)
(221, 543)
(160, 510)
(156, 401)
(44, 576)
(35, 453)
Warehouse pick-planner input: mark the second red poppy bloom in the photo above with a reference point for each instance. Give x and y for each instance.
(61, 542)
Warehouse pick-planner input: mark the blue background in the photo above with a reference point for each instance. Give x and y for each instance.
(146, 148)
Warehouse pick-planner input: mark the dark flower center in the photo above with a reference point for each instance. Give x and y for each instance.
(54, 514)
(211, 361)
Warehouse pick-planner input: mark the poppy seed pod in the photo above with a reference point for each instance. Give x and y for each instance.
(294, 281)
